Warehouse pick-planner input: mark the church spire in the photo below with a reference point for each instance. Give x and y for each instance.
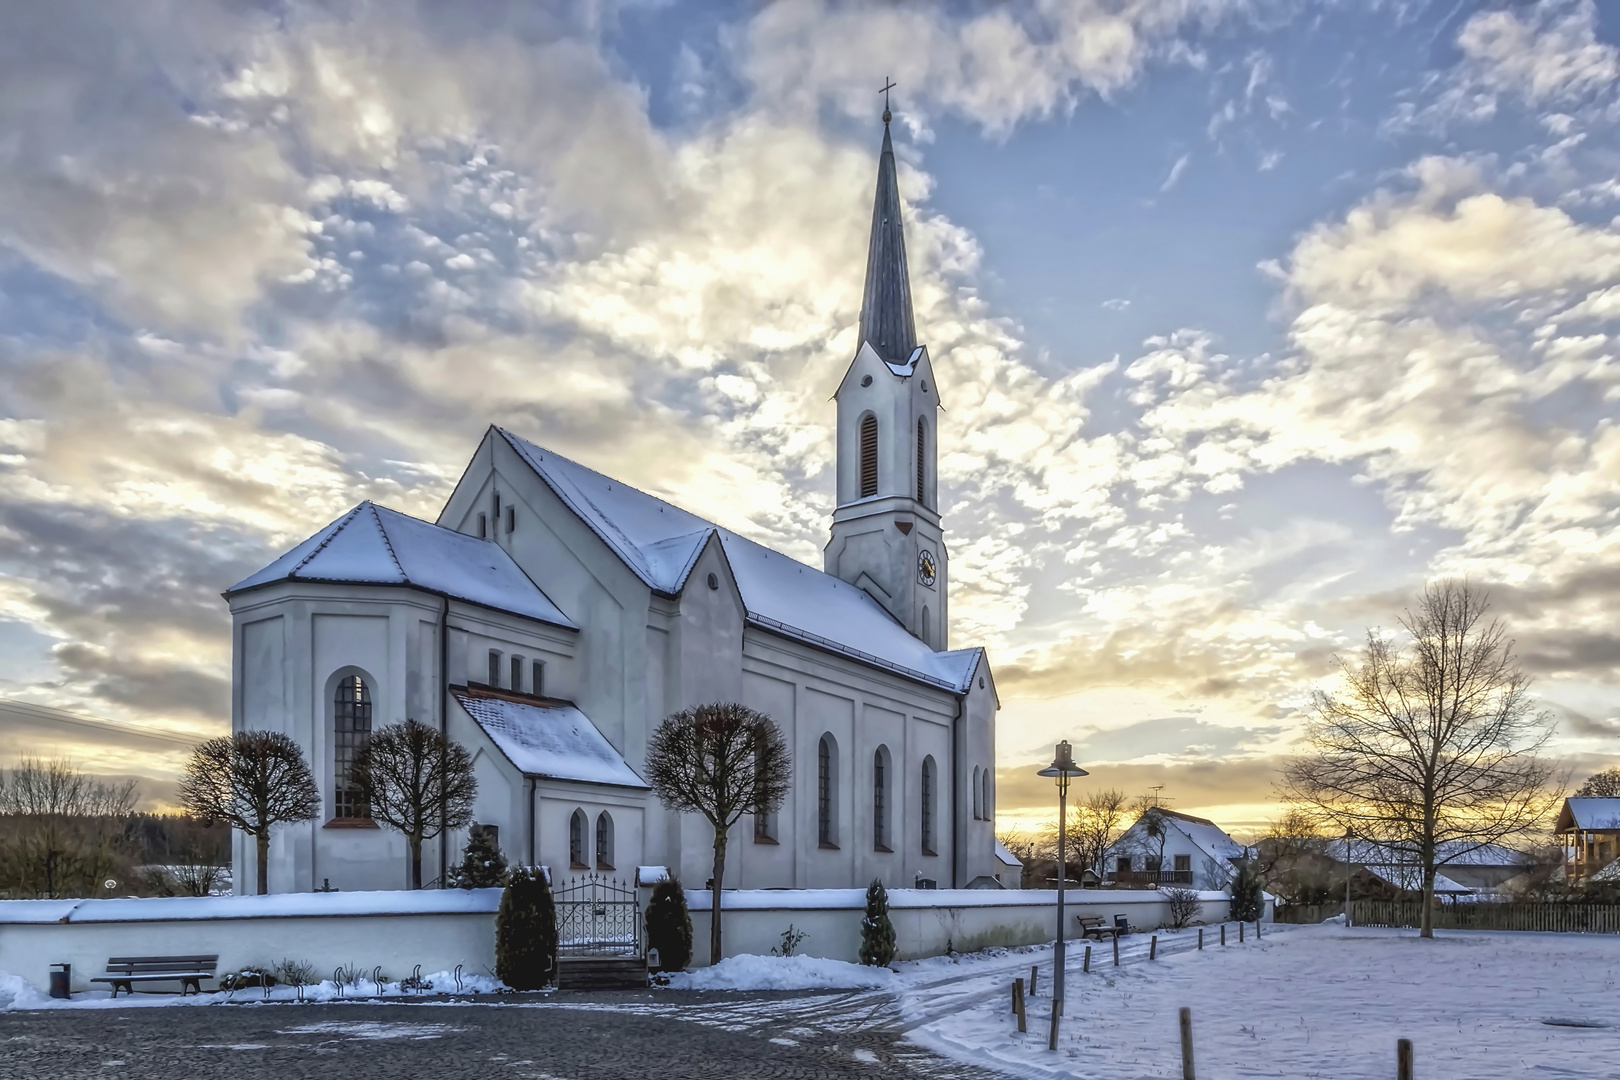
(886, 320)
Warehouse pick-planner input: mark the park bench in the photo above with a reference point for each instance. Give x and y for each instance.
(1095, 926)
(189, 971)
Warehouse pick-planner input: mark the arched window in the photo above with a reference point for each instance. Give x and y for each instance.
(880, 799)
(984, 795)
(922, 458)
(604, 841)
(827, 792)
(538, 686)
(517, 674)
(494, 667)
(577, 826)
(976, 814)
(869, 456)
(927, 792)
(351, 731)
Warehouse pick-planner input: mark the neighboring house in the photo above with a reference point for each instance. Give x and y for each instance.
(1589, 830)
(1195, 853)
(1383, 872)
(552, 616)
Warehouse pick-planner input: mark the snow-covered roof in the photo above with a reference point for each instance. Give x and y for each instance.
(550, 739)
(1589, 812)
(1005, 857)
(1410, 878)
(660, 542)
(1210, 838)
(373, 545)
(1448, 852)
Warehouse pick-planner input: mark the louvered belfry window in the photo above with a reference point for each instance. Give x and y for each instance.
(869, 464)
(922, 449)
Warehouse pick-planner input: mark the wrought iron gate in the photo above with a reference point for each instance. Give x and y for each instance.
(597, 916)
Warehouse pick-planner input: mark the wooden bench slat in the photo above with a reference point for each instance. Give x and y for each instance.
(198, 958)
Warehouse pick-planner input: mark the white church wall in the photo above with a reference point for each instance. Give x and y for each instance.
(557, 803)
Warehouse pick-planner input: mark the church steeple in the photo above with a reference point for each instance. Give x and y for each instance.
(887, 537)
(886, 319)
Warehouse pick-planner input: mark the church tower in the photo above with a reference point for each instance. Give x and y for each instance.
(886, 535)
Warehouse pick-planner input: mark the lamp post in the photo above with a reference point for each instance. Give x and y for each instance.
(1063, 769)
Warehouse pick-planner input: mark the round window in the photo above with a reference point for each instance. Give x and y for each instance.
(866, 380)
(714, 581)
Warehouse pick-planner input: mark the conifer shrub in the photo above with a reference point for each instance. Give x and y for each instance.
(669, 926)
(1248, 905)
(877, 932)
(482, 864)
(526, 931)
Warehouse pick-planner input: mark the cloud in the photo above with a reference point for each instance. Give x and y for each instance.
(1176, 170)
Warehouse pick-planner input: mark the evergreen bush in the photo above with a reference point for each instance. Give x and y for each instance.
(482, 864)
(1248, 905)
(669, 926)
(526, 931)
(877, 932)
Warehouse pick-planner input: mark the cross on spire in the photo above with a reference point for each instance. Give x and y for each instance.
(888, 84)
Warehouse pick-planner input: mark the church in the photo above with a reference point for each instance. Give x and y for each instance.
(553, 616)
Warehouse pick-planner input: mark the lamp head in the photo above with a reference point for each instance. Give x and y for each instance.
(1063, 765)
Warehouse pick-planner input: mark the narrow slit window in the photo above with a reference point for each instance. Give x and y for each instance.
(517, 673)
(827, 792)
(494, 668)
(537, 685)
(511, 519)
(927, 792)
(869, 456)
(604, 841)
(576, 840)
(922, 458)
(880, 801)
(483, 526)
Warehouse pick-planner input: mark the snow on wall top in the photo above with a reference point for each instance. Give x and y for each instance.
(660, 542)
(274, 906)
(551, 739)
(376, 546)
(855, 899)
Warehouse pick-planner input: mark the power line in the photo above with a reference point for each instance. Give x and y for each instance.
(60, 717)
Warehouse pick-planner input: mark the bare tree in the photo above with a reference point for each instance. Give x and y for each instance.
(1147, 834)
(1600, 785)
(1183, 904)
(1292, 859)
(416, 781)
(64, 831)
(1434, 748)
(256, 780)
(722, 761)
(1095, 822)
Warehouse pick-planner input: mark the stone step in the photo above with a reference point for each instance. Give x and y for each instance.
(602, 973)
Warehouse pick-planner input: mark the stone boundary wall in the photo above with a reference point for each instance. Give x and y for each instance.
(439, 929)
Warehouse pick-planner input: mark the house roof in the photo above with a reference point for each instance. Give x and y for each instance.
(373, 545)
(1410, 878)
(549, 739)
(1210, 837)
(1005, 857)
(660, 543)
(1596, 814)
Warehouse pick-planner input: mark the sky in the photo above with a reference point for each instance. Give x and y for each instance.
(1250, 317)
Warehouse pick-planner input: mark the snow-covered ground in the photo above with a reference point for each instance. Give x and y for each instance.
(17, 993)
(749, 972)
(1317, 1001)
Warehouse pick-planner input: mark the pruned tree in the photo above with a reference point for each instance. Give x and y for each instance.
(1600, 785)
(1433, 749)
(62, 831)
(415, 781)
(721, 760)
(257, 781)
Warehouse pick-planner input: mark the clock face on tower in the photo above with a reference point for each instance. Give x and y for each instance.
(926, 570)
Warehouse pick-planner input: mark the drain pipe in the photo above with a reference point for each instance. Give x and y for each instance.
(444, 729)
(531, 821)
(956, 809)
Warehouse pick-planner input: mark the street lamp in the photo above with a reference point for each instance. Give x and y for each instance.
(1062, 768)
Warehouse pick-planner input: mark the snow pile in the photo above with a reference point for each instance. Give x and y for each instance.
(17, 992)
(751, 972)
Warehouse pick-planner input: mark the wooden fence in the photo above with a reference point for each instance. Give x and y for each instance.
(1565, 918)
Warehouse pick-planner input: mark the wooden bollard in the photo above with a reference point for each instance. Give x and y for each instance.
(1403, 1059)
(1051, 1041)
(1223, 933)
(1186, 1045)
(1200, 939)
(1240, 933)
(1032, 970)
(1116, 949)
(1257, 929)
(1088, 959)
(1018, 1002)
(1153, 947)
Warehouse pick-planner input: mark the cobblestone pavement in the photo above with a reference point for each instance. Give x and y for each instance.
(662, 1035)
